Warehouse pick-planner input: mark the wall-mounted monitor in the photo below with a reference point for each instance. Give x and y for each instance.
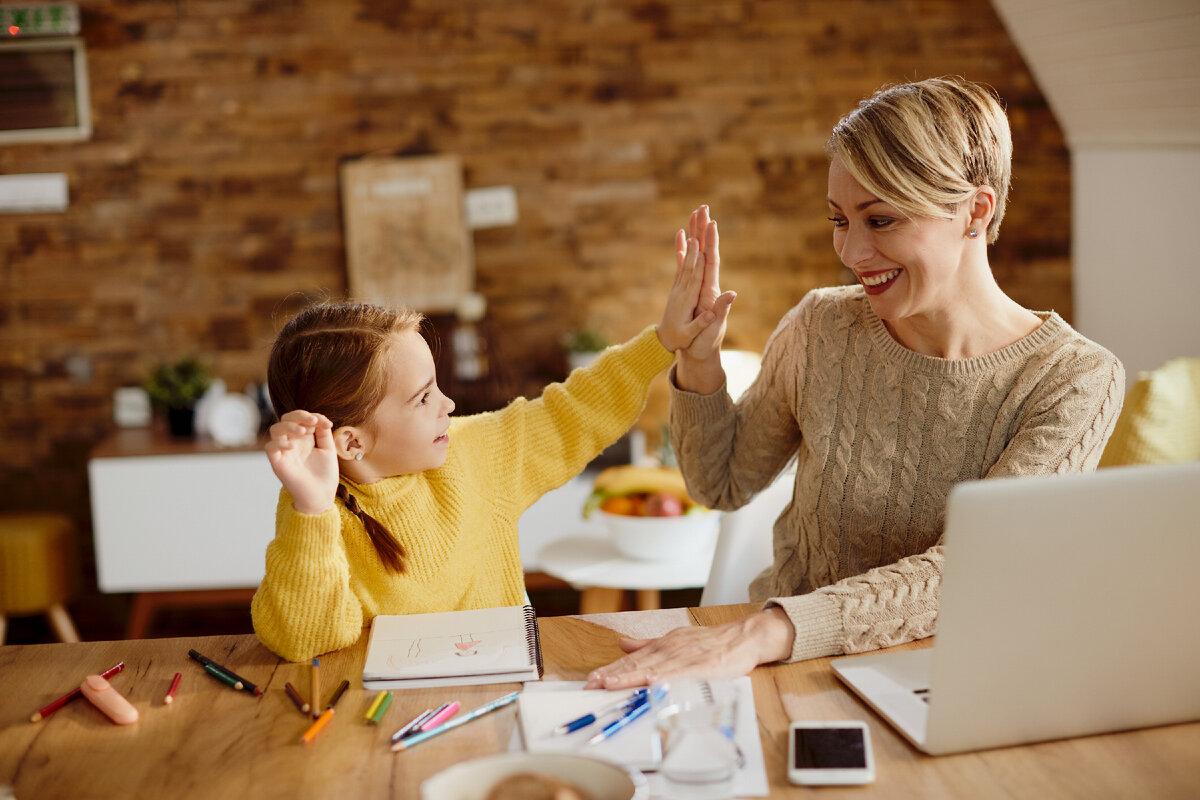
(44, 91)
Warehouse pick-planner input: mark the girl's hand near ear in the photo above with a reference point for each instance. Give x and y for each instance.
(303, 456)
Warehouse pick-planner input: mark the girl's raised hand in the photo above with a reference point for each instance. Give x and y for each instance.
(696, 311)
(303, 456)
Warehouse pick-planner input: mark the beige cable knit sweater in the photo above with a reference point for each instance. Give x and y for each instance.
(880, 434)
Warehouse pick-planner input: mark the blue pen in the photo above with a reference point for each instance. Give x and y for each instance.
(635, 711)
(624, 704)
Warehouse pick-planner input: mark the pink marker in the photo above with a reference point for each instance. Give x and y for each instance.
(444, 713)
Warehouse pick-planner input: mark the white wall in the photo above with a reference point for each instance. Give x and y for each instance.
(1136, 251)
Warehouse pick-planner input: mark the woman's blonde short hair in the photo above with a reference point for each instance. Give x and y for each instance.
(925, 147)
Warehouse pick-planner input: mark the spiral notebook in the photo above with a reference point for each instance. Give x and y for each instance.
(453, 648)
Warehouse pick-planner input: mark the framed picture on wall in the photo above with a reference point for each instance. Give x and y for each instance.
(406, 236)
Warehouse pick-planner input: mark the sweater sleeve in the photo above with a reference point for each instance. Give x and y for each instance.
(532, 446)
(728, 451)
(304, 605)
(1070, 415)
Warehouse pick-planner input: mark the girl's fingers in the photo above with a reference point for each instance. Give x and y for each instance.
(680, 252)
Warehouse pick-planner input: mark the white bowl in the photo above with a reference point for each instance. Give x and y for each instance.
(472, 780)
(662, 538)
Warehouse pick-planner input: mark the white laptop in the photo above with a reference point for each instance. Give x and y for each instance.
(1069, 606)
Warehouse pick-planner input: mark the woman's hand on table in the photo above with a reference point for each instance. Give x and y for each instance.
(719, 651)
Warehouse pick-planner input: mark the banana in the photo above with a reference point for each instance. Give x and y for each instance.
(628, 479)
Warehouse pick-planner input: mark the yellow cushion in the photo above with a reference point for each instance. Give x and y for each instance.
(34, 555)
(1160, 421)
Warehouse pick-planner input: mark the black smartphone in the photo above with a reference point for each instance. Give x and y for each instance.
(822, 753)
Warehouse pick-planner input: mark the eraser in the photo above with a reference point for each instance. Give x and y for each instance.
(109, 700)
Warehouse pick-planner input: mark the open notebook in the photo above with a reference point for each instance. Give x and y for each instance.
(452, 648)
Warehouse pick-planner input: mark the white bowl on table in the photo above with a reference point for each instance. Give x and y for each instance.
(662, 538)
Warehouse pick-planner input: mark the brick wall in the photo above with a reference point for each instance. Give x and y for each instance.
(205, 208)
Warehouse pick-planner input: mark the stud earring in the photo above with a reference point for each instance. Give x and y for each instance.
(974, 234)
(358, 456)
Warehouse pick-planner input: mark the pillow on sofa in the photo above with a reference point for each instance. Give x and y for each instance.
(1160, 421)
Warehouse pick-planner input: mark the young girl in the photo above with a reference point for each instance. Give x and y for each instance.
(389, 505)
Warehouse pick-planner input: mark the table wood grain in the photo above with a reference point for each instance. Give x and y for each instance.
(215, 742)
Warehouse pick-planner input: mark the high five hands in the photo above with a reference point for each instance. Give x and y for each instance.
(694, 320)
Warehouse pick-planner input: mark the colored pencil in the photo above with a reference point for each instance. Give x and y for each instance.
(38, 716)
(223, 677)
(323, 720)
(314, 698)
(245, 684)
(296, 698)
(412, 725)
(378, 715)
(170, 698)
(441, 715)
(373, 709)
(474, 713)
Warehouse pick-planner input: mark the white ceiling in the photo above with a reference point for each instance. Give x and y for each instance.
(1115, 72)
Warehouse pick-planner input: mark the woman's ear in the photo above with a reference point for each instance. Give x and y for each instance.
(981, 206)
(348, 441)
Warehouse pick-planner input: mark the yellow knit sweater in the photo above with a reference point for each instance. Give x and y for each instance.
(456, 524)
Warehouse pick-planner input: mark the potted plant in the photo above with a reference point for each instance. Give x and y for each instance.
(583, 346)
(177, 387)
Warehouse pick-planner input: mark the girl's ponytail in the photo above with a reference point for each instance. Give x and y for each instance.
(389, 550)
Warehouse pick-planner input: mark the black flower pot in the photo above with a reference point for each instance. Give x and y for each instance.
(181, 422)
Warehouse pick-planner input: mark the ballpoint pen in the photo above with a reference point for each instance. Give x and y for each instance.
(634, 711)
(587, 719)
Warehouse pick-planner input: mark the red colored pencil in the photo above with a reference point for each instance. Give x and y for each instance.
(170, 698)
(71, 695)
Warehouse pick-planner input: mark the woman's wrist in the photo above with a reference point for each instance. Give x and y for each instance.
(772, 631)
(699, 375)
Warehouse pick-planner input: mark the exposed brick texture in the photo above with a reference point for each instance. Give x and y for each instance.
(205, 208)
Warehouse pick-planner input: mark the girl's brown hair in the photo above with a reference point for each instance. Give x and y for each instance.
(331, 359)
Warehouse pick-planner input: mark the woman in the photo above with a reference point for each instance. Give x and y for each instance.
(887, 393)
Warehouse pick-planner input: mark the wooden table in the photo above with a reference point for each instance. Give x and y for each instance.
(215, 742)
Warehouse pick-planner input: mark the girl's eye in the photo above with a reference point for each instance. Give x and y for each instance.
(424, 399)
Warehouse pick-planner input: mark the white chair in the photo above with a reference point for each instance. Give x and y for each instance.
(744, 544)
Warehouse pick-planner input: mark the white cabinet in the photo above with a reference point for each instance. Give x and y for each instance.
(173, 515)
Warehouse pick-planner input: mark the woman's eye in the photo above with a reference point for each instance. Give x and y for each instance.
(881, 222)
(838, 222)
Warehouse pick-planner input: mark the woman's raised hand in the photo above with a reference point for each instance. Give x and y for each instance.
(303, 456)
(694, 318)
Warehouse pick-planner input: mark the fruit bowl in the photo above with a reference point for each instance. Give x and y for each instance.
(662, 538)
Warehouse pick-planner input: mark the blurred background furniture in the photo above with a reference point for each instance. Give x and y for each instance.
(1160, 421)
(35, 560)
(745, 543)
(180, 522)
(592, 564)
